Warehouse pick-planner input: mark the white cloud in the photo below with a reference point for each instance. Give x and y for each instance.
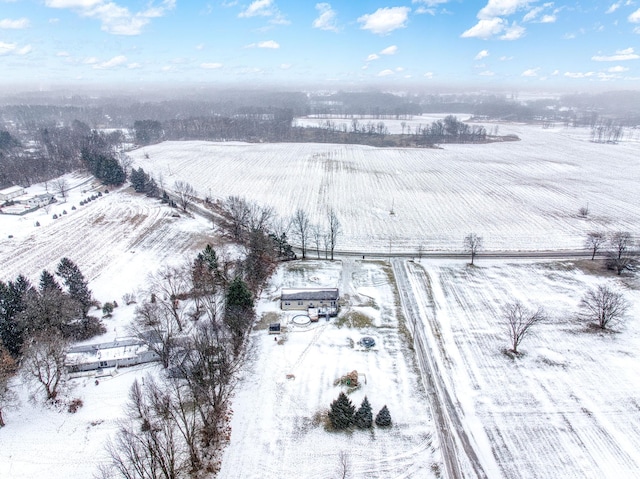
(115, 19)
(259, 8)
(487, 73)
(621, 55)
(502, 8)
(485, 29)
(481, 54)
(63, 54)
(428, 75)
(90, 61)
(391, 50)
(372, 57)
(13, 49)
(200, 46)
(385, 20)
(211, 66)
(513, 32)
(548, 18)
(531, 72)
(505, 58)
(399, 69)
(578, 74)
(327, 18)
(133, 66)
(285, 66)
(18, 24)
(113, 63)
(613, 7)
(618, 69)
(266, 44)
(635, 16)
(386, 73)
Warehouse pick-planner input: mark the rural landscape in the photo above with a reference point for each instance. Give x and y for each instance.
(485, 272)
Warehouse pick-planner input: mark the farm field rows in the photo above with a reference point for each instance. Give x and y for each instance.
(522, 195)
(569, 406)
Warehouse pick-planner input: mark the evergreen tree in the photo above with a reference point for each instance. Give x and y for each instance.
(383, 418)
(13, 296)
(364, 417)
(341, 412)
(238, 310)
(76, 285)
(48, 282)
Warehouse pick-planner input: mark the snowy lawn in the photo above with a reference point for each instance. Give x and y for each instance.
(276, 432)
(522, 195)
(569, 406)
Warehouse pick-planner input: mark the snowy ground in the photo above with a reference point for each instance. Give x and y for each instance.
(522, 195)
(569, 406)
(274, 416)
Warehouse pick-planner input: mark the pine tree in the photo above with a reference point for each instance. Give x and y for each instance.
(48, 282)
(364, 417)
(13, 296)
(383, 418)
(341, 412)
(239, 310)
(76, 284)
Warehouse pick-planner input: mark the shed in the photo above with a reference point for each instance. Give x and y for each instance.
(11, 193)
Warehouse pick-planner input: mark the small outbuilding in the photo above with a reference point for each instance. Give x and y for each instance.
(11, 193)
(325, 300)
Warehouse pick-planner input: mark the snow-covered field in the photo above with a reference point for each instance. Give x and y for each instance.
(569, 406)
(522, 195)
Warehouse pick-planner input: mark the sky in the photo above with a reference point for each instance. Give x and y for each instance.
(393, 44)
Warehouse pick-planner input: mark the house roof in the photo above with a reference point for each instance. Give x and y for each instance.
(308, 294)
(11, 189)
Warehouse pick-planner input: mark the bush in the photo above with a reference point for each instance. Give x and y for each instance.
(73, 208)
(64, 212)
(55, 217)
(75, 405)
(107, 309)
(37, 223)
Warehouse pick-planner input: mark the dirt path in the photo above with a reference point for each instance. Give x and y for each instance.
(458, 453)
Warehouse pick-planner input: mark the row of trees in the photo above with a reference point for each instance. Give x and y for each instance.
(343, 414)
(196, 317)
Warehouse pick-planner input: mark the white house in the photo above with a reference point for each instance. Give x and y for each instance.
(119, 353)
(305, 299)
(11, 193)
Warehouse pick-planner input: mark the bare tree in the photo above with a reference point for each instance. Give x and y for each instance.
(43, 361)
(603, 306)
(302, 229)
(259, 217)
(333, 230)
(519, 321)
(473, 244)
(148, 445)
(236, 211)
(583, 211)
(185, 193)
(316, 235)
(594, 241)
(61, 186)
(344, 465)
(7, 370)
(620, 257)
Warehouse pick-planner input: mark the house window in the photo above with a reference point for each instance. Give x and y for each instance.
(300, 303)
(287, 303)
(103, 364)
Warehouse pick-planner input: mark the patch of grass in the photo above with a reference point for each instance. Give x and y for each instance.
(267, 318)
(353, 319)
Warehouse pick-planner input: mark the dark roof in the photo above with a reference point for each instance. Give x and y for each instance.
(310, 294)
